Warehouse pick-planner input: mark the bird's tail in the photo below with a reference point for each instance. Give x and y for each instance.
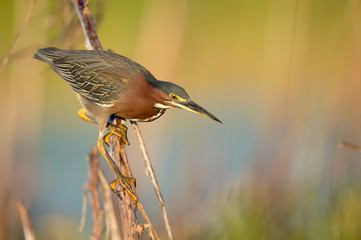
(47, 54)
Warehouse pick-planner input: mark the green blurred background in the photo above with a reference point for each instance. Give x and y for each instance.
(283, 76)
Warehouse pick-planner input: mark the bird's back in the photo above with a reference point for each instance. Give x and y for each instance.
(100, 76)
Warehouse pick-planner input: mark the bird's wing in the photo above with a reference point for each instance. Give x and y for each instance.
(91, 75)
(95, 81)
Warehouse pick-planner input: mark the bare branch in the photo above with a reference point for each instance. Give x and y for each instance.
(131, 228)
(152, 233)
(86, 20)
(110, 218)
(150, 172)
(26, 220)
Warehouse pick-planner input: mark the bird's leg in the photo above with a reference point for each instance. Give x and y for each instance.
(123, 181)
(82, 114)
(118, 130)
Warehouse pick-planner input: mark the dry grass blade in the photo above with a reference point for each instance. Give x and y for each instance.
(85, 204)
(18, 36)
(150, 172)
(26, 220)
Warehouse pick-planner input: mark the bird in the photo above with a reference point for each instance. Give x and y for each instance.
(108, 84)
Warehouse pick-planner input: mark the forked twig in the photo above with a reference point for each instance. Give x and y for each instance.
(150, 172)
(26, 220)
(152, 233)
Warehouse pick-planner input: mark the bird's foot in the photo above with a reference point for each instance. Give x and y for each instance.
(128, 179)
(125, 182)
(118, 130)
(122, 180)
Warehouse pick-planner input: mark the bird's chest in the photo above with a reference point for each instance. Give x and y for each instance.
(148, 117)
(139, 111)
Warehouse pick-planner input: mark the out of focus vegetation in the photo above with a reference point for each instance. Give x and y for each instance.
(283, 76)
(271, 209)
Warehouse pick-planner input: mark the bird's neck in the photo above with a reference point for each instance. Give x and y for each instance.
(160, 100)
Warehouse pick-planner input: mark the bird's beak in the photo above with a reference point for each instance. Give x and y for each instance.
(194, 107)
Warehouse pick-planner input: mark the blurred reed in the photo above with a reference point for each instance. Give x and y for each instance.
(283, 76)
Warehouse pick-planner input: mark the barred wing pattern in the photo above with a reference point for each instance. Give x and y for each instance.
(93, 78)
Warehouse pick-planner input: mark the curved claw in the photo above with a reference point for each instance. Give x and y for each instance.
(128, 180)
(118, 130)
(116, 181)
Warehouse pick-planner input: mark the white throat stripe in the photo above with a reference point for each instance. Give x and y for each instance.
(159, 105)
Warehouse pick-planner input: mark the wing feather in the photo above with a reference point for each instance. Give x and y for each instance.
(99, 76)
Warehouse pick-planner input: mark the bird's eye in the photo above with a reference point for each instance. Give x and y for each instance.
(173, 96)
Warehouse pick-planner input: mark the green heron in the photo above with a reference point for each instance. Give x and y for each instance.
(108, 84)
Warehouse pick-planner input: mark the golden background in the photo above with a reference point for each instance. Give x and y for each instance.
(283, 76)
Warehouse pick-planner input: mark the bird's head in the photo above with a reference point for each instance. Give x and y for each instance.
(175, 96)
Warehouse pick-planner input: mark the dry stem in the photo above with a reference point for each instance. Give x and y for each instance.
(18, 36)
(94, 196)
(131, 228)
(150, 172)
(26, 220)
(110, 218)
(85, 205)
(86, 20)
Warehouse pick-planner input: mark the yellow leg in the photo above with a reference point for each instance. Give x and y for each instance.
(118, 130)
(121, 179)
(82, 115)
